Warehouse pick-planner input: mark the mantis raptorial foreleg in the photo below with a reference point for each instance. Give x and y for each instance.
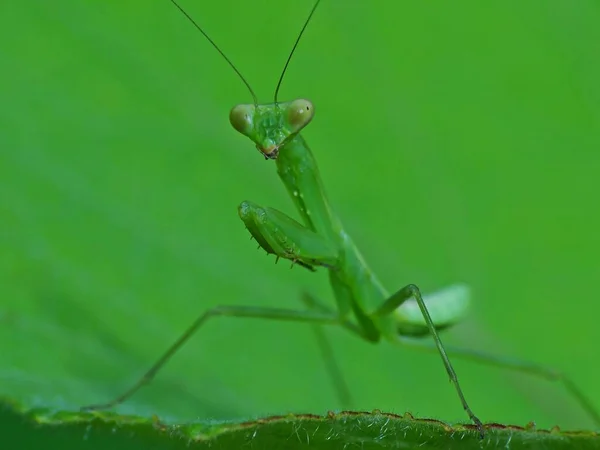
(283, 236)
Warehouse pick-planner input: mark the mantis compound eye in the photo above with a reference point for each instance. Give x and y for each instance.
(241, 118)
(299, 113)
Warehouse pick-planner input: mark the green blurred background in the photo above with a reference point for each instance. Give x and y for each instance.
(458, 142)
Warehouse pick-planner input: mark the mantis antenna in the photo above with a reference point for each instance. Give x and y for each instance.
(312, 11)
(254, 98)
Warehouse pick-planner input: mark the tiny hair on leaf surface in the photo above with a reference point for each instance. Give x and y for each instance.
(39, 428)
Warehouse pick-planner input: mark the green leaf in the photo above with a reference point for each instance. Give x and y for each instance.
(458, 142)
(335, 431)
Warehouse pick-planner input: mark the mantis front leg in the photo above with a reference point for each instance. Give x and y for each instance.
(279, 234)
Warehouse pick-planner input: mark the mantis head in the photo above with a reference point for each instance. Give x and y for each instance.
(268, 126)
(271, 126)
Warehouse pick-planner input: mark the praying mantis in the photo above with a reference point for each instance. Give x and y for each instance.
(363, 307)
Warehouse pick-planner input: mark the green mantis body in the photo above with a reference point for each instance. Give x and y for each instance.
(364, 307)
(322, 241)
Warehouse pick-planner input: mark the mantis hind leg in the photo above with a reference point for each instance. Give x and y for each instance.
(412, 292)
(315, 317)
(483, 358)
(515, 365)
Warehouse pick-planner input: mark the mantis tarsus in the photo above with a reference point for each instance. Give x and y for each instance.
(364, 307)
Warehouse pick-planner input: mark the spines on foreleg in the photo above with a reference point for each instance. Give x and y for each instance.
(286, 238)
